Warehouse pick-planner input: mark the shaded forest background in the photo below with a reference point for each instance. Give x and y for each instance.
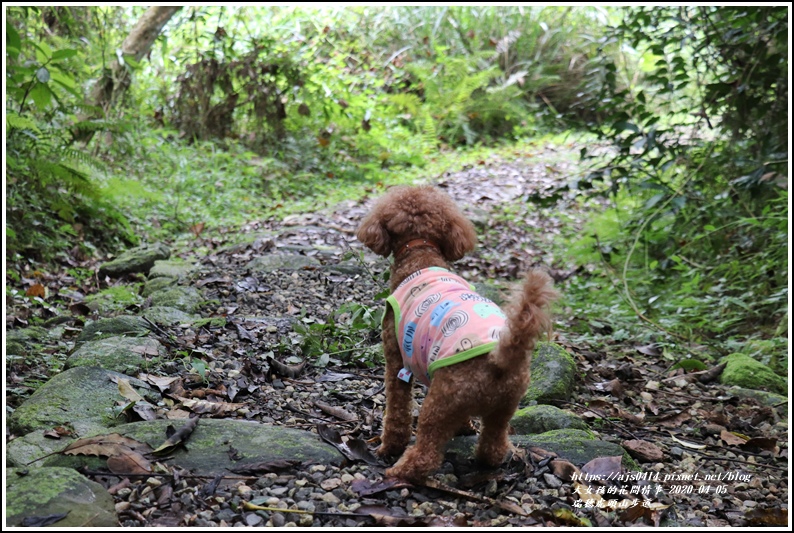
(130, 125)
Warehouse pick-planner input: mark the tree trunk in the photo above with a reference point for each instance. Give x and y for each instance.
(114, 83)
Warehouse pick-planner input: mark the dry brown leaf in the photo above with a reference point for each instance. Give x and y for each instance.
(207, 407)
(604, 467)
(129, 462)
(563, 469)
(161, 382)
(643, 450)
(775, 516)
(107, 445)
(37, 289)
(338, 412)
(126, 390)
(731, 439)
(673, 420)
(178, 437)
(761, 443)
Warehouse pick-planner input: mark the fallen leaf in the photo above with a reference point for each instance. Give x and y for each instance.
(563, 469)
(731, 439)
(106, 445)
(761, 443)
(177, 437)
(772, 516)
(365, 487)
(338, 412)
(42, 521)
(37, 290)
(129, 462)
(126, 390)
(643, 450)
(604, 467)
(686, 444)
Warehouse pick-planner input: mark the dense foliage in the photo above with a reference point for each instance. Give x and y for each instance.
(698, 167)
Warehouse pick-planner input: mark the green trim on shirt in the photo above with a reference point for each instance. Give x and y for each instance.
(460, 357)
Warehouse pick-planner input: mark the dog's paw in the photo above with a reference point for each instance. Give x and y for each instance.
(385, 451)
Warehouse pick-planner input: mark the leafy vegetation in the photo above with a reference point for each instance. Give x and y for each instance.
(695, 240)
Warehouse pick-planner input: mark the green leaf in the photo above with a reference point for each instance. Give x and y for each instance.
(13, 42)
(689, 365)
(41, 95)
(620, 126)
(63, 54)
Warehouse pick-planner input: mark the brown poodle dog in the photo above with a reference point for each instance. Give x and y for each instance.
(481, 373)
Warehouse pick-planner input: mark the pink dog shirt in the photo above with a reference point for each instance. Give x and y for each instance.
(431, 308)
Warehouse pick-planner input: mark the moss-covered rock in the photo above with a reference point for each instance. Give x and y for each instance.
(271, 262)
(50, 491)
(113, 299)
(176, 269)
(206, 450)
(81, 398)
(124, 325)
(744, 371)
(574, 445)
(553, 375)
(185, 299)
(127, 355)
(167, 316)
(543, 418)
(139, 259)
(157, 285)
(32, 449)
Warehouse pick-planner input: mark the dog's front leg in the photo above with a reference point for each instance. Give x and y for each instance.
(398, 419)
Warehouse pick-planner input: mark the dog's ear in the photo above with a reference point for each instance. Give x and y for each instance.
(372, 234)
(459, 239)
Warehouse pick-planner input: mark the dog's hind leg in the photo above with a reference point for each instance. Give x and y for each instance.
(492, 444)
(398, 418)
(439, 420)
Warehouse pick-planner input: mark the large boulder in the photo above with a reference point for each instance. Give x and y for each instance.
(543, 418)
(127, 355)
(139, 259)
(81, 397)
(744, 371)
(553, 375)
(40, 492)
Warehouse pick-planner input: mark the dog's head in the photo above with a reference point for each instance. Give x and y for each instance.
(424, 212)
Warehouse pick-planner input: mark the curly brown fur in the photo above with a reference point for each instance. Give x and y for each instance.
(489, 386)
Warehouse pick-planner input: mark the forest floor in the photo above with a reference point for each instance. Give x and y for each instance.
(720, 459)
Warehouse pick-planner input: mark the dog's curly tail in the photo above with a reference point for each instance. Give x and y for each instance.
(527, 320)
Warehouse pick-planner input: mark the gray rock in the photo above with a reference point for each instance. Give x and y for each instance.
(185, 299)
(744, 371)
(81, 397)
(120, 354)
(33, 448)
(139, 259)
(271, 262)
(574, 445)
(113, 299)
(543, 418)
(769, 399)
(206, 451)
(490, 291)
(157, 285)
(48, 491)
(126, 325)
(20, 341)
(553, 375)
(160, 314)
(171, 269)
